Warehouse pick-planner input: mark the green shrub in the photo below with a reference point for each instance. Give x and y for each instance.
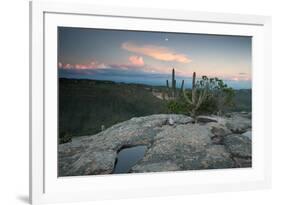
(209, 106)
(177, 106)
(207, 96)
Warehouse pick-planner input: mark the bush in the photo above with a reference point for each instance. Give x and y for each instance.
(209, 106)
(207, 96)
(177, 106)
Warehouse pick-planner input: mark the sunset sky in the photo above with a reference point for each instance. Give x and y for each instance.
(148, 57)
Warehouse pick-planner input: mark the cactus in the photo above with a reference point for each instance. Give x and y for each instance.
(168, 88)
(173, 84)
(197, 97)
(172, 91)
(182, 84)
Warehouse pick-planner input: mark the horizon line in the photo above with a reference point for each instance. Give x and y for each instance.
(136, 83)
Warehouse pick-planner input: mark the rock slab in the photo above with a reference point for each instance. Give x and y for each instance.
(173, 143)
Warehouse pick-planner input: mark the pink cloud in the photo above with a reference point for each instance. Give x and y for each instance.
(156, 52)
(87, 66)
(136, 60)
(96, 64)
(240, 78)
(82, 67)
(67, 66)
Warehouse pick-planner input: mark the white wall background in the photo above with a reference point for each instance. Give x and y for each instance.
(14, 100)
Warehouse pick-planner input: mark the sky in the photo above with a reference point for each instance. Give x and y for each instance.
(149, 57)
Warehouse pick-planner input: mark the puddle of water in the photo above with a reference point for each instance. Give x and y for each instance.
(128, 157)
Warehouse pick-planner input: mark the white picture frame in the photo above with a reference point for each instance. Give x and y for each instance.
(46, 187)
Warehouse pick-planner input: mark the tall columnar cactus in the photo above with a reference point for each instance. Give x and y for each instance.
(173, 84)
(197, 97)
(182, 84)
(172, 91)
(168, 88)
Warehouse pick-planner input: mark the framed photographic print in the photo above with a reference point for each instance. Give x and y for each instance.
(129, 102)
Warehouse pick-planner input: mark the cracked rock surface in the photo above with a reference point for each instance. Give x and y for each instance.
(212, 143)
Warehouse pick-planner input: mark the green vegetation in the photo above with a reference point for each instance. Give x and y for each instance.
(177, 106)
(199, 94)
(207, 96)
(242, 101)
(87, 107)
(219, 96)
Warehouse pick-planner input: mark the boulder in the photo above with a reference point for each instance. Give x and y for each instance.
(238, 124)
(84, 155)
(190, 148)
(248, 134)
(89, 163)
(219, 130)
(238, 145)
(217, 157)
(217, 140)
(205, 119)
(181, 119)
(209, 144)
(243, 162)
(163, 166)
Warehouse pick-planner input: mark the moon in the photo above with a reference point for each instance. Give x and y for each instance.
(166, 39)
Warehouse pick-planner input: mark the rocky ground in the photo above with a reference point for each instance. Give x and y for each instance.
(173, 143)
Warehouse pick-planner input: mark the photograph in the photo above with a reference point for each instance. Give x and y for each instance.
(134, 101)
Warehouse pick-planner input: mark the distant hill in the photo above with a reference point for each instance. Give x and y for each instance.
(87, 105)
(243, 100)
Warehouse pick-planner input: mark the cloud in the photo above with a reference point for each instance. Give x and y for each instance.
(156, 52)
(80, 66)
(136, 60)
(241, 78)
(67, 66)
(242, 73)
(96, 64)
(133, 63)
